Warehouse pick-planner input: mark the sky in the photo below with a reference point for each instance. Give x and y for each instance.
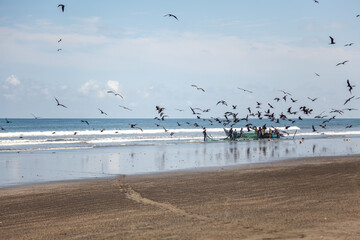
(131, 48)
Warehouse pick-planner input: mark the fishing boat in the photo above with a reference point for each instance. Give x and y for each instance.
(250, 135)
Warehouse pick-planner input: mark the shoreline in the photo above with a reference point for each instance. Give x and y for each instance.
(308, 198)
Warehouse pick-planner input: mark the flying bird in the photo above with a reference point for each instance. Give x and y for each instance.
(348, 100)
(59, 40)
(316, 1)
(312, 99)
(349, 86)
(286, 93)
(84, 121)
(126, 108)
(198, 88)
(62, 7)
(59, 104)
(59, 49)
(116, 94)
(7, 121)
(171, 15)
(245, 90)
(102, 112)
(313, 128)
(35, 116)
(134, 126)
(222, 102)
(343, 63)
(331, 40)
(348, 44)
(317, 74)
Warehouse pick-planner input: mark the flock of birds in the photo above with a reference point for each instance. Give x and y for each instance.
(231, 118)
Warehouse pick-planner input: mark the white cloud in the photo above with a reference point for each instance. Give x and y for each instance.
(88, 87)
(13, 80)
(114, 85)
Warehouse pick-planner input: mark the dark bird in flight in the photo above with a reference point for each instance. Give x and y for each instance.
(102, 112)
(2, 129)
(84, 121)
(349, 126)
(348, 44)
(62, 7)
(286, 93)
(116, 94)
(312, 99)
(59, 104)
(126, 108)
(316, 1)
(35, 116)
(59, 49)
(342, 63)
(349, 86)
(348, 100)
(358, 15)
(60, 40)
(222, 102)
(277, 99)
(313, 128)
(160, 109)
(350, 109)
(317, 74)
(293, 100)
(171, 15)
(270, 105)
(7, 121)
(245, 90)
(198, 88)
(134, 126)
(331, 40)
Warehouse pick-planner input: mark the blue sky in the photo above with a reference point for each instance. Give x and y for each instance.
(131, 48)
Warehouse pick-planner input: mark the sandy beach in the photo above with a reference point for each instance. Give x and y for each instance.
(310, 198)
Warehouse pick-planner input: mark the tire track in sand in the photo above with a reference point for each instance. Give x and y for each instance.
(130, 193)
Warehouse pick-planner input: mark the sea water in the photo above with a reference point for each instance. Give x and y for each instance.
(42, 150)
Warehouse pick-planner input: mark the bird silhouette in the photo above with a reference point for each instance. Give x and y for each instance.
(348, 100)
(171, 15)
(7, 121)
(350, 86)
(348, 44)
(126, 108)
(317, 74)
(331, 40)
(134, 126)
(312, 99)
(245, 90)
(116, 94)
(102, 112)
(59, 40)
(342, 63)
(59, 49)
(313, 128)
(84, 121)
(59, 104)
(62, 7)
(198, 88)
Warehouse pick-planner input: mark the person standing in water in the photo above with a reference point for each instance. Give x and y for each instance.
(205, 134)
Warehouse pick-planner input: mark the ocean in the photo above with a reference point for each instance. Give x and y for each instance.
(45, 150)
(55, 134)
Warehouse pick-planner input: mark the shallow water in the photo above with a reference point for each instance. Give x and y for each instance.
(28, 167)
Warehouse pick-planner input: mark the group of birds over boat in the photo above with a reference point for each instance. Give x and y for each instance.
(231, 118)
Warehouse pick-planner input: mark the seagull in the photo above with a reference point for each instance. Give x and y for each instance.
(60, 40)
(35, 116)
(116, 94)
(134, 126)
(59, 104)
(331, 40)
(7, 121)
(286, 93)
(350, 109)
(62, 7)
(126, 108)
(317, 74)
(349, 126)
(59, 49)
(312, 99)
(342, 63)
(316, 1)
(2, 129)
(84, 121)
(245, 90)
(222, 102)
(313, 128)
(348, 45)
(349, 86)
(102, 112)
(348, 100)
(198, 88)
(171, 15)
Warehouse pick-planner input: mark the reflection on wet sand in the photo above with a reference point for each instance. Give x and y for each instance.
(42, 166)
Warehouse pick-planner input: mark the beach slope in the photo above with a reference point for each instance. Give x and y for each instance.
(314, 198)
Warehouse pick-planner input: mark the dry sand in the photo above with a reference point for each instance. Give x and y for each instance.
(316, 198)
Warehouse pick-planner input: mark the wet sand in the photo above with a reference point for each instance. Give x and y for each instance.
(312, 198)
